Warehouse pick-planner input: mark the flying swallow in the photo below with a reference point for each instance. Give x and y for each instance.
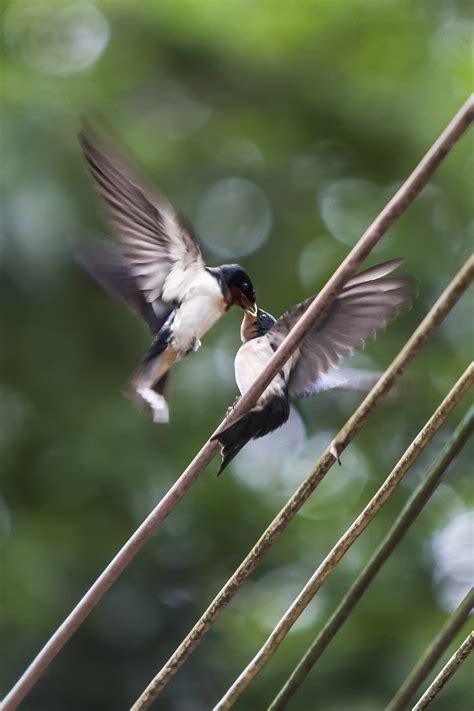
(366, 303)
(157, 268)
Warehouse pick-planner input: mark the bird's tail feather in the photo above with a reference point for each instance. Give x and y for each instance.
(256, 423)
(151, 399)
(149, 386)
(163, 385)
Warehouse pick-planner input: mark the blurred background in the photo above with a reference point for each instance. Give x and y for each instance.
(280, 130)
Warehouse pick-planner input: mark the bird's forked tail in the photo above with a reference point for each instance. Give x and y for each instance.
(257, 423)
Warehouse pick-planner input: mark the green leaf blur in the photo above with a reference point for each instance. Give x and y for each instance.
(295, 122)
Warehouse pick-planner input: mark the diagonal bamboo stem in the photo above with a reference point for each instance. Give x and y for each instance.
(458, 658)
(397, 205)
(432, 654)
(407, 516)
(429, 324)
(280, 631)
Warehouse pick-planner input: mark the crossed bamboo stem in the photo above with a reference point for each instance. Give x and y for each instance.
(405, 519)
(432, 654)
(347, 540)
(458, 658)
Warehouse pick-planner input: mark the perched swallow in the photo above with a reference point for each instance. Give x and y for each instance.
(158, 270)
(365, 305)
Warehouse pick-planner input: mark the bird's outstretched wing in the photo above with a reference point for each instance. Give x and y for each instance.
(365, 305)
(105, 262)
(157, 243)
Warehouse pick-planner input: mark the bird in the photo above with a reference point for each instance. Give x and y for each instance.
(365, 304)
(156, 267)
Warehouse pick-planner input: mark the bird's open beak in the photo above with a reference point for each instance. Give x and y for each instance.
(250, 308)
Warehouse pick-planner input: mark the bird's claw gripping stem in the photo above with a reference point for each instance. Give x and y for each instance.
(230, 409)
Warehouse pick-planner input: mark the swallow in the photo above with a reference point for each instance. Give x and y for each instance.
(366, 303)
(157, 268)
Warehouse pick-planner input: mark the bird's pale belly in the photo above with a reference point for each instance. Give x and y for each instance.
(193, 319)
(250, 360)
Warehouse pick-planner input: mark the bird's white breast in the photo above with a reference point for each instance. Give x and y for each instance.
(201, 307)
(251, 359)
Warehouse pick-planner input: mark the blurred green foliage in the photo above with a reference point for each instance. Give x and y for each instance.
(320, 109)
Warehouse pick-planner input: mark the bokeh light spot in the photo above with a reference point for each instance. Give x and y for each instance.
(452, 552)
(268, 599)
(241, 152)
(265, 464)
(314, 260)
(349, 206)
(234, 217)
(55, 39)
(342, 487)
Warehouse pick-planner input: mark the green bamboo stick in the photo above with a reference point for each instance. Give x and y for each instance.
(410, 511)
(279, 632)
(432, 654)
(458, 658)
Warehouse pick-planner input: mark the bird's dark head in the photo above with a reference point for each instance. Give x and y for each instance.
(240, 287)
(255, 326)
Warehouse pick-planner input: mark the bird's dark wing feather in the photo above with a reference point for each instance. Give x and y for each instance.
(160, 246)
(365, 305)
(104, 261)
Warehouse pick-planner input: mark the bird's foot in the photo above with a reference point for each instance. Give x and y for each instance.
(192, 348)
(335, 453)
(231, 409)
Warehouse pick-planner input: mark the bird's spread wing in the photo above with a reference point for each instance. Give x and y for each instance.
(104, 261)
(160, 247)
(346, 379)
(365, 305)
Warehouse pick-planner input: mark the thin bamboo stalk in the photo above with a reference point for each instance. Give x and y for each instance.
(280, 631)
(432, 654)
(397, 205)
(428, 326)
(407, 516)
(458, 658)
